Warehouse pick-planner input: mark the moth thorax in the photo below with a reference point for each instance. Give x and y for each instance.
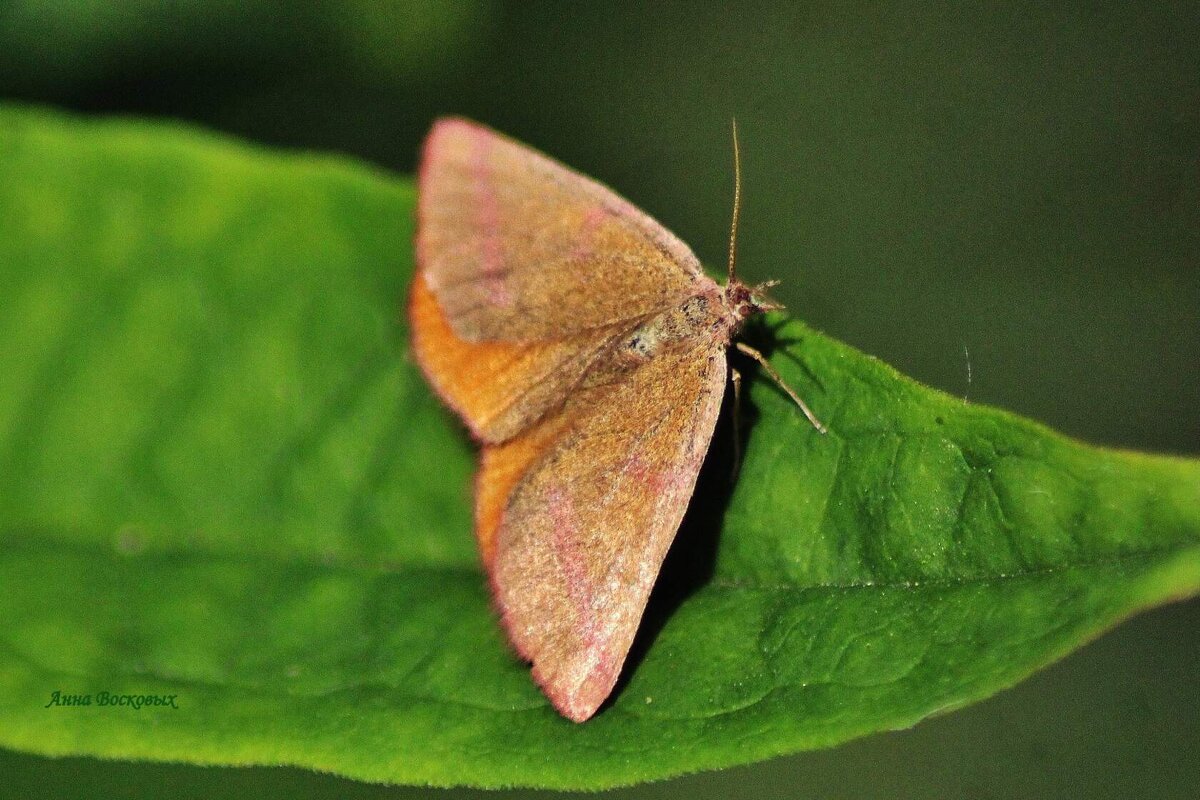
(696, 316)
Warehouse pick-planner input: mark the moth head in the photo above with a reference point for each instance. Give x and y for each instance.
(745, 301)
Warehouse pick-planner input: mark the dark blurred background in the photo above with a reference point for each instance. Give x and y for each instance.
(1002, 202)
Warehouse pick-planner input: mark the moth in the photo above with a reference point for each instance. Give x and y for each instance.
(585, 349)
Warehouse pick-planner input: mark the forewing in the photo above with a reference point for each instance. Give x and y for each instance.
(517, 247)
(576, 515)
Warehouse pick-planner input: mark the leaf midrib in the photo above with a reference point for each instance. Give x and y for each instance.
(319, 564)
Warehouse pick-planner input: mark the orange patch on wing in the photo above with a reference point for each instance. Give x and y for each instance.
(478, 394)
(476, 379)
(501, 468)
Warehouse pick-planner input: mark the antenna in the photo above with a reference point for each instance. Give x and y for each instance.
(737, 203)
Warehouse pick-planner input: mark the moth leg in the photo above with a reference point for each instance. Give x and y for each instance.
(736, 378)
(762, 360)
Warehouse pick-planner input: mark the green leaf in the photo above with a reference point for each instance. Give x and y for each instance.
(223, 480)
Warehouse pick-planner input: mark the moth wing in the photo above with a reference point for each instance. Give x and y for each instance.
(576, 515)
(499, 388)
(517, 247)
